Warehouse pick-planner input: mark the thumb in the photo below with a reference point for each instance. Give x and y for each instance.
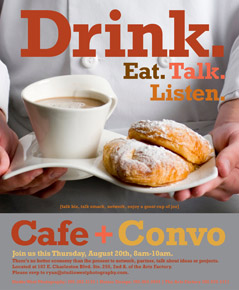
(4, 161)
(228, 158)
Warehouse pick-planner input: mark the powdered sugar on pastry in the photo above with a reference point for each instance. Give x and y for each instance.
(174, 136)
(136, 162)
(167, 129)
(132, 151)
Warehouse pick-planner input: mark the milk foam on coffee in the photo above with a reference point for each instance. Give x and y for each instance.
(71, 102)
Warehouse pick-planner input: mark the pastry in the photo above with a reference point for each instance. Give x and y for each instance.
(135, 162)
(175, 137)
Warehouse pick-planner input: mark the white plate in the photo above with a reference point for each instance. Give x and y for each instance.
(28, 158)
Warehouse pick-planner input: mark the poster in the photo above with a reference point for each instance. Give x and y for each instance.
(173, 60)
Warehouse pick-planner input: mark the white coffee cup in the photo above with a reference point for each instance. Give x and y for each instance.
(63, 132)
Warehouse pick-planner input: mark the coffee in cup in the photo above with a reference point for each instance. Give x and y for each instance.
(68, 114)
(71, 102)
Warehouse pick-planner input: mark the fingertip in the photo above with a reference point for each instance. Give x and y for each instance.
(224, 198)
(52, 190)
(182, 195)
(219, 195)
(197, 191)
(35, 173)
(56, 173)
(4, 161)
(164, 195)
(223, 166)
(24, 180)
(57, 188)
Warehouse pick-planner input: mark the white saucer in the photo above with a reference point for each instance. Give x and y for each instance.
(28, 158)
